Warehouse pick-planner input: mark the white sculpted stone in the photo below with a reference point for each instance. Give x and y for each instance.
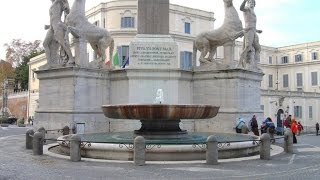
(55, 35)
(251, 50)
(159, 98)
(79, 26)
(209, 41)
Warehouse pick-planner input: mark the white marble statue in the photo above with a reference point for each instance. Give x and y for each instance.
(251, 46)
(79, 26)
(208, 41)
(55, 35)
(159, 98)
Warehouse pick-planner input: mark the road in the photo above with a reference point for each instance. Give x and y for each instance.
(18, 163)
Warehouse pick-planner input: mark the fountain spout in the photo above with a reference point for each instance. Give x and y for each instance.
(159, 97)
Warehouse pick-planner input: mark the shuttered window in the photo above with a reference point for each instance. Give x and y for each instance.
(314, 78)
(285, 80)
(299, 80)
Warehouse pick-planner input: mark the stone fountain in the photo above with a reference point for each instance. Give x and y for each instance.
(160, 126)
(190, 96)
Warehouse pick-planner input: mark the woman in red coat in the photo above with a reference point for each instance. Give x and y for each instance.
(294, 129)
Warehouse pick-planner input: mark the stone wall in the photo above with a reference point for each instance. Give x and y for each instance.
(17, 104)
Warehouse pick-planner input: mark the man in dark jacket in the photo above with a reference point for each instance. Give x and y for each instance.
(254, 125)
(317, 128)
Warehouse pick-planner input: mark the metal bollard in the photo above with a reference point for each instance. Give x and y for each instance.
(288, 141)
(65, 130)
(139, 154)
(38, 139)
(29, 139)
(265, 147)
(75, 150)
(212, 151)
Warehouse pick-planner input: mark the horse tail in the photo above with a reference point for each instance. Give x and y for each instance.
(195, 50)
(111, 48)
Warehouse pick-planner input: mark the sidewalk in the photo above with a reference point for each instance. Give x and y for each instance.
(18, 163)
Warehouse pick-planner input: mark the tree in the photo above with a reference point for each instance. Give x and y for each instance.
(17, 49)
(22, 71)
(6, 71)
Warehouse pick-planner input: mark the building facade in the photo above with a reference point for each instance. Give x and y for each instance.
(290, 84)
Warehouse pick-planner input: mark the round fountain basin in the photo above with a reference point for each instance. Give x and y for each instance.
(161, 112)
(119, 146)
(160, 120)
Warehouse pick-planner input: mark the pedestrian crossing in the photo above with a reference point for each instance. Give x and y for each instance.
(307, 148)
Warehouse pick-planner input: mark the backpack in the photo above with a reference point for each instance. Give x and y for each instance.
(270, 124)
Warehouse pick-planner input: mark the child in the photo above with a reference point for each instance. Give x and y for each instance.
(300, 128)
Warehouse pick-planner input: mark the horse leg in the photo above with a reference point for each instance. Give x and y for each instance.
(59, 36)
(94, 46)
(203, 54)
(102, 46)
(205, 49)
(212, 52)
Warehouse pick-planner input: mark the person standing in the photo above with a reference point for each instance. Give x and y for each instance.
(294, 129)
(254, 125)
(287, 122)
(300, 128)
(317, 128)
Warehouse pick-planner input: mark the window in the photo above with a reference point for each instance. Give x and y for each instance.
(314, 78)
(187, 28)
(185, 60)
(285, 80)
(104, 22)
(262, 107)
(270, 60)
(127, 22)
(123, 55)
(299, 80)
(298, 58)
(314, 56)
(284, 60)
(310, 112)
(298, 111)
(270, 81)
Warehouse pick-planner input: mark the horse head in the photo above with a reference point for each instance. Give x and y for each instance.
(228, 3)
(65, 6)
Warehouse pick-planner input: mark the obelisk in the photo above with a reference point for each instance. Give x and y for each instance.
(153, 16)
(153, 47)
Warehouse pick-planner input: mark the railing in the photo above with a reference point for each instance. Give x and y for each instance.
(139, 147)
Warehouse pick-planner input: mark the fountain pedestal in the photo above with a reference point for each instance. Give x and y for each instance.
(160, 127)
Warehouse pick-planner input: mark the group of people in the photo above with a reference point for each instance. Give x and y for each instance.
(268, 126)
(242, 127)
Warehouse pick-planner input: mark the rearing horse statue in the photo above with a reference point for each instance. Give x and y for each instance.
(79, 26)
(230, 30)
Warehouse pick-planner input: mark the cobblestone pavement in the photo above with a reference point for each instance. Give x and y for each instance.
(18, 163)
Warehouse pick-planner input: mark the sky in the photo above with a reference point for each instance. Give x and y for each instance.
(284, 22)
